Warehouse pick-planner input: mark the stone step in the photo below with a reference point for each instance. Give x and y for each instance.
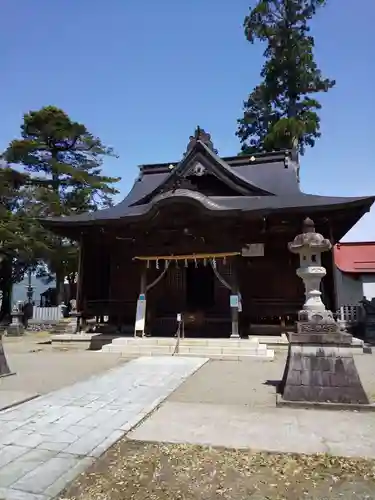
(267, 354)
(186, 350)
(142, 347)
(186, 341)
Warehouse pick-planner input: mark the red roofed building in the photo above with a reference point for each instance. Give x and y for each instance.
(355, 272)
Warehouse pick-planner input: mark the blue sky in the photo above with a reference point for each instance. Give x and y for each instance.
(142, 75)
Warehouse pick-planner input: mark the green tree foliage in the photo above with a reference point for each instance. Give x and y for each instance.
(283, 110)
(19, 238)
(64, 161)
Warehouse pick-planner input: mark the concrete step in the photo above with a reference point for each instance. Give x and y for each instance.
(262, 349)
(186, 341)
(267, 354)
(211, 349)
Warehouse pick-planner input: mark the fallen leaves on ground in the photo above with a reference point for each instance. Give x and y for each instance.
(138, 471)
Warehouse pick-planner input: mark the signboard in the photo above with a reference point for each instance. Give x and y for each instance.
(140, 316)
(234, 302)
(253, 250)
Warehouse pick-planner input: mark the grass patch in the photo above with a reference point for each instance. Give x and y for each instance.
(139, 471)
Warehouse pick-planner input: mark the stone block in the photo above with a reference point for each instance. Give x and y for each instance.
(110, 440)
(10, 453)
(85, 444)
(321, 374)
(316, 338)
(46, 473)
(26, 463)
(100, 416)
(54, 489)
(21, 437)
(11, 494)
(15, 330)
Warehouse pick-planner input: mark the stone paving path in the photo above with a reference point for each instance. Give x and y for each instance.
(46, 442)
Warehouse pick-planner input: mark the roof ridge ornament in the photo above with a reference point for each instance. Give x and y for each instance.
(200, 135)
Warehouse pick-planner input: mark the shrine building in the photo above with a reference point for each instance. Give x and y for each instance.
(205, 237)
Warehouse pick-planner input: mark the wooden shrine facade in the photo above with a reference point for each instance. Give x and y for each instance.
(190, 235)
(195, 273)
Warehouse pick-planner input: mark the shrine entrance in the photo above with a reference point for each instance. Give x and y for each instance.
(200, 287)
(197, 286)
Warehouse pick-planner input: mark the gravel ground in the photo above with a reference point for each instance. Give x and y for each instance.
(251, 383)
(41, 369)
(139, 471)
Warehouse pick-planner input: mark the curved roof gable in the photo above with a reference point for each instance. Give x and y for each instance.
(212, 164)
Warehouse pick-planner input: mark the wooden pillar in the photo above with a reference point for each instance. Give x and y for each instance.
(79, 294)
(140, 315)
(143, 287)
(336, 302)
(234, 291)
(79, 285)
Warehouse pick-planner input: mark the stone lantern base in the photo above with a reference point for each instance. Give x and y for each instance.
(320, 368)
(16, 327)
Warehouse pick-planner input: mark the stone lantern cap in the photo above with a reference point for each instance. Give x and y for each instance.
(309, 239)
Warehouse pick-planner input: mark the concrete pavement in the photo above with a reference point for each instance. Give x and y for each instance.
(347, 434)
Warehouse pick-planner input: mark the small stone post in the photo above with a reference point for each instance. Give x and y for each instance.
(320, 367)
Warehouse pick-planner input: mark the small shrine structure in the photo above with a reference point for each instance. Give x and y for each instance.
(205, 237)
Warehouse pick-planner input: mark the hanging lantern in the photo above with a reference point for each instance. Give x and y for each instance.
(186, 263)
(195, 262)
(176, 262)
(205, 262)
(157, 264)
(166, 264)
(148, 264)
(214, 263)
(225, 261)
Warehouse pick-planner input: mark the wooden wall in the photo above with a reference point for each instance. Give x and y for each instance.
(269, 286)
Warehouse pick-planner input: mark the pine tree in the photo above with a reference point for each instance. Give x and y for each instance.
(18, 241)
(64, 161)
(283, 111)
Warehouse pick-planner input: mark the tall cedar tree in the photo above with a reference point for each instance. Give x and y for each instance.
(281, 112)
(65, 160)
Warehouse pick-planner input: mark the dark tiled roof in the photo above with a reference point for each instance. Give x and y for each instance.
(273, 172)
(265, 183)
(257, 204)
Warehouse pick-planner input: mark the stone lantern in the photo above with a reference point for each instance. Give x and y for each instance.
(320, 367)
(16, 327)
(310, 245)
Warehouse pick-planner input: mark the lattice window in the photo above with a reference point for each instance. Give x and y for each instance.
(175, 277)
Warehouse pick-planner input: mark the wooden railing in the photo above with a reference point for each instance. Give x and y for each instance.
(351, 314)
(275, 307)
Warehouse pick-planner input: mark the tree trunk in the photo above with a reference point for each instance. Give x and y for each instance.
(4, 367)
(60, 291)
(6, 288)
